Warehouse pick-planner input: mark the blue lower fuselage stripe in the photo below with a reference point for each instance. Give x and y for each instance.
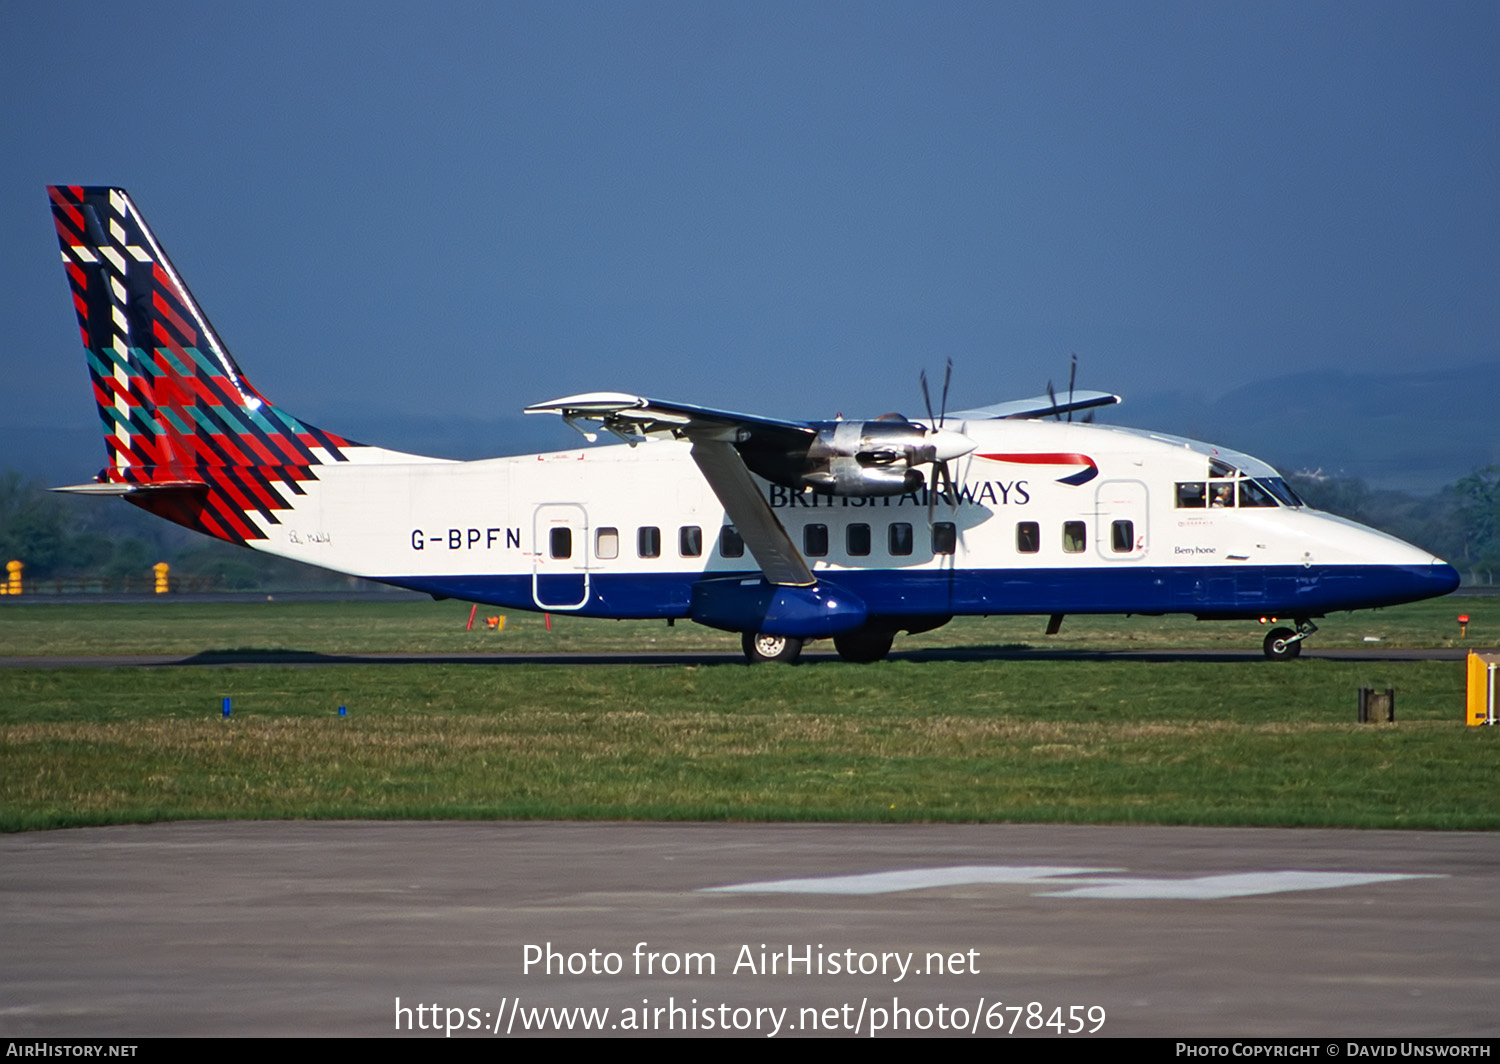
(1250, 591)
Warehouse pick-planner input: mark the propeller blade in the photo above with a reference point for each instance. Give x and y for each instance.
(926, 398)
(1052, 398)
(943, 406)
(1072, 376)
(942, 480)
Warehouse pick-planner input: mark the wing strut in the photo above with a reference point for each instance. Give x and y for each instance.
(725, 472)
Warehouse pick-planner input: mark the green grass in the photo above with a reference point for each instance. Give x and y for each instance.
(1188, 742)
(181, 626)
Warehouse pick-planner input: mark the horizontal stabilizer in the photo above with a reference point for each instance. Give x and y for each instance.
(115, 489)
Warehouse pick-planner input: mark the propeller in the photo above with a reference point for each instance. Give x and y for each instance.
(945, 445)
(1088, 418)
(1072, 377)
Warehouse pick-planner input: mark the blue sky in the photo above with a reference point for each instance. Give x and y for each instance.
(453, 210)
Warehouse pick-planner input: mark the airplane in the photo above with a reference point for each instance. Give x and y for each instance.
(781, 531)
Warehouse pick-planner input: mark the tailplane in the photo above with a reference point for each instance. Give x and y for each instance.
(186, 434)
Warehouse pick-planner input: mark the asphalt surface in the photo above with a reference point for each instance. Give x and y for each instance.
(318, 928)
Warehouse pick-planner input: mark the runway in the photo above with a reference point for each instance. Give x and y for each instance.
(318, 928)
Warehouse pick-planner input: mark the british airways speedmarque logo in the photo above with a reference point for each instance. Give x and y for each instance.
(1058, 458)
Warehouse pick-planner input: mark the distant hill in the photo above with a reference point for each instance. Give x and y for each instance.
(1413, 432)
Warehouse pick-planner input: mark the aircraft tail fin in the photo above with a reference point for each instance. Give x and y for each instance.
(186, 434)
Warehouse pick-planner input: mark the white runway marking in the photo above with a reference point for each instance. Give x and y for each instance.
(914, 879)
(1100, 885)
(1238, 885)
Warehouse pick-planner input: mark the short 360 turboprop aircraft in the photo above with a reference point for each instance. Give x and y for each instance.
(783, 531)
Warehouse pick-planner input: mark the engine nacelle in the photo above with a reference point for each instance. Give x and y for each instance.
(867, 457)
(882, 457)
(845, 476)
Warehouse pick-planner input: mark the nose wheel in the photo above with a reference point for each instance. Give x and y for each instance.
(759, 647)
(1283, 644)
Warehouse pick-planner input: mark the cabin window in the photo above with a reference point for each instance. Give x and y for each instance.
(690, 541)
(1074, 537)
(607, 543)
(815, 541)
(730, 543)
(1028, 537)
(901, 538)
(1122, 537)
(1191, 496)
(560, 543)
(858, 540)
(944, 537)
(648, 542)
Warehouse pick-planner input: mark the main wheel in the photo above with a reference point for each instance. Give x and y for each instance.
(761, 647)
(1278, 648)
(863, 647)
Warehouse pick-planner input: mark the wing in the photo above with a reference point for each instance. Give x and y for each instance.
(716, 436)
(634, 417)
(1041, 406)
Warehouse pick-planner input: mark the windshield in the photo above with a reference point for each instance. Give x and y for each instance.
(1235, 490)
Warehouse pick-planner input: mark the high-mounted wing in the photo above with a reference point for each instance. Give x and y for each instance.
(1041, 406)
(634, 417)
(718, 437)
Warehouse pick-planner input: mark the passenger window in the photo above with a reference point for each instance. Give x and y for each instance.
(648, 542)
(901, 539)
(1028, 537)
(730, 543)
(815, 541)
(607, 543)
(858, 540)
(560, 543)
(1122, 536)
(944, 538)
(1074, 539)
(690, 541)
(1191, 496)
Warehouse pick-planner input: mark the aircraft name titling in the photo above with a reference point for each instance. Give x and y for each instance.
(985, 493)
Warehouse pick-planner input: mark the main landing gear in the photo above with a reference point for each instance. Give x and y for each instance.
(862, 648)
(1283, 644)
(759, 647)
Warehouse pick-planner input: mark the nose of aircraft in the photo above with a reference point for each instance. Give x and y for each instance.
(1442, 578)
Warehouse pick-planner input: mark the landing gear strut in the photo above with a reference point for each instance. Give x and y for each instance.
(1283, 644)
(864, 647)
(759, 647)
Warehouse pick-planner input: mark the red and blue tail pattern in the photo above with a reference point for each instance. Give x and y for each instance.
(187, 436)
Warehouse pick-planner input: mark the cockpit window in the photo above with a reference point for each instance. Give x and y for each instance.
(1282, 490)
(1190, 496)
(1252, 494)
(1224, 493)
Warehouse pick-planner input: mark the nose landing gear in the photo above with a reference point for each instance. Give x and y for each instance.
(1283, 644)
